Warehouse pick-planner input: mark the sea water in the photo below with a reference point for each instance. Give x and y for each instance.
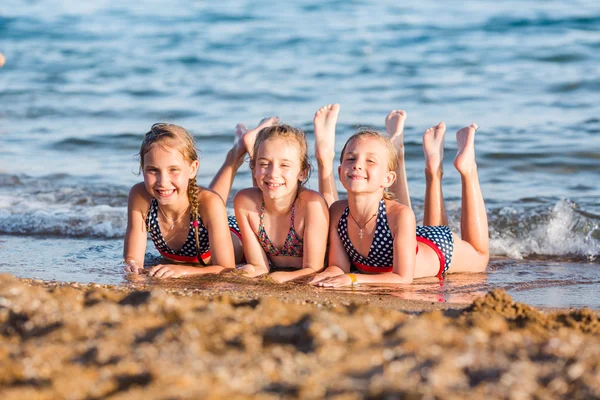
(85, 80)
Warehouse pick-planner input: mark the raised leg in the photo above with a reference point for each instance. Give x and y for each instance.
(249, 138)
(394, 126)
(434, 212)
(324, 123)
(472, 252)
(223, 180)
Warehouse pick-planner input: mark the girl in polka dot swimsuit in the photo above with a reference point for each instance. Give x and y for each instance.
(372, 237)
(187, 223)
(284, 225)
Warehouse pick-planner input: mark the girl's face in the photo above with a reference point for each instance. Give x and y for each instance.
(166, 174)
(277, 168)
(364, 168)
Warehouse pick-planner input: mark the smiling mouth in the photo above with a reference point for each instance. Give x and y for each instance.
(356, 177)
(165, 193)
(273, 185)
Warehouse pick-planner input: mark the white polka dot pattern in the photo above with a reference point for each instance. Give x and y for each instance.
(381, 252)
(189, 247)
(442, 237)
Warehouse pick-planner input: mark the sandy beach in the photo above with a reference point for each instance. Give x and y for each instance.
(204, 340)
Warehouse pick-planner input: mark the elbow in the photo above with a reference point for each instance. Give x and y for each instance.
(314, 268)
(403, 279)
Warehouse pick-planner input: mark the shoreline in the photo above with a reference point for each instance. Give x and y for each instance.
(94, 341)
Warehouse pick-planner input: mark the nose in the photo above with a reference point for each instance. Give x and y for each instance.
(161, 179)
(273, 170)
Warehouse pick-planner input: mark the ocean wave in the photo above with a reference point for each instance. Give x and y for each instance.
(528, 229)
(559, 230)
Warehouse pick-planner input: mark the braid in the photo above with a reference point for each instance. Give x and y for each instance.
(195, 212)
(388, 195)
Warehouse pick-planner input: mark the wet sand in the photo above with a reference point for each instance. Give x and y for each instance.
(206, 338)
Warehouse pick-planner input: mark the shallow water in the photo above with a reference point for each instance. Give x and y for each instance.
(83, 82)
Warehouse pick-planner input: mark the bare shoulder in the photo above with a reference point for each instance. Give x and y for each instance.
(399, 214)
(249, 198)
(139, 197)
(308, 196)
(337, 209)
(209, 198)
(139, 190)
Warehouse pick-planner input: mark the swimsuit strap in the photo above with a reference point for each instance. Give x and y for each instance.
(292, 245)
(380, 253)
(188, 251)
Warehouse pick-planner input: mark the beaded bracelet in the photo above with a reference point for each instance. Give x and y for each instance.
(353, 279)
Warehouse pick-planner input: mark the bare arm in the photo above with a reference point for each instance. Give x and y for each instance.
(257, 262)
(316, 226)
(401, 220)
(338, 262)
(134, 248)
(214, 217)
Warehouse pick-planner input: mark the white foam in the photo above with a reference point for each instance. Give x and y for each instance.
(561, 232)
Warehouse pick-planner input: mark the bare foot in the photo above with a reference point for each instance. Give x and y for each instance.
(325, 120)
(239, 150)
(433, 147)
(465, 156)
(250, 136)
(394, 126)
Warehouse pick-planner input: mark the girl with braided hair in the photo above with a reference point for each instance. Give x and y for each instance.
(187, 223)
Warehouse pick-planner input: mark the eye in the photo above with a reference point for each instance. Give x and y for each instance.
(263, 164)
(285, 165)
(174, 170)
(371, 161)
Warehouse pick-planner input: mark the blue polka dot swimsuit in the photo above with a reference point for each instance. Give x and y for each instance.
(381, 253)
(188, 252)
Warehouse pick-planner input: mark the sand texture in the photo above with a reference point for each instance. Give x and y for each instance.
(76, 341)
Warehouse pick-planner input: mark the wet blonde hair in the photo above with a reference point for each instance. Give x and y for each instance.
(392, 163)
(291, 134)
(177, 138)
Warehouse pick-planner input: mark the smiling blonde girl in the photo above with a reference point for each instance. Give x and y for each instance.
(283, 224)
(374, 239)
(187, 223)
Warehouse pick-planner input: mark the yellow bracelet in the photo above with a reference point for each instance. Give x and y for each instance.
(353, 279)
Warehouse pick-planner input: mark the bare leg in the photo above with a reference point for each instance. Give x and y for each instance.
(324, 122)
(249, 137)
(394, 126)
(433, 146)
(472, 252)
(223, 180)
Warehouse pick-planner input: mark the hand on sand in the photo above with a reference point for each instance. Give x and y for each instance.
(281, 277)
(131, 267)
(171, 271)
(330, 272)
(250, 271)
(336, 281)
